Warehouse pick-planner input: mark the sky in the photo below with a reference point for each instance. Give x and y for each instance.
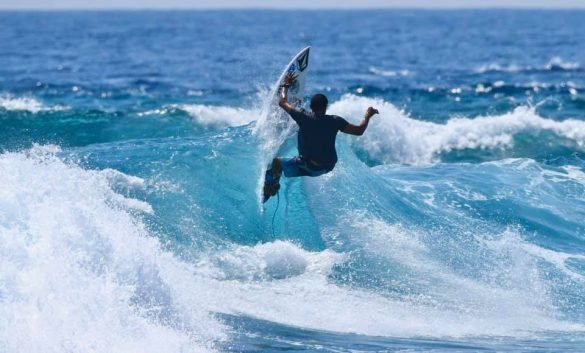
(283, 4)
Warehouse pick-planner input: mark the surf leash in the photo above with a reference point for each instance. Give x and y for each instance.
(275, 210)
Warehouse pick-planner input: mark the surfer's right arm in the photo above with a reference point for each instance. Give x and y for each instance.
(359, 130)
(283, 101)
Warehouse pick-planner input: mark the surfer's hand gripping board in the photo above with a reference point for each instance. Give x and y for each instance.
(289, 80)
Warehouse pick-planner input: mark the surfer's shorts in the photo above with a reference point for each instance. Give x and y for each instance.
(297, 166)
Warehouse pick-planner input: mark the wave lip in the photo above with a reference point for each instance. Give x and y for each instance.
(210, 115)
(28, 104)
(395, 137)
(219, 115)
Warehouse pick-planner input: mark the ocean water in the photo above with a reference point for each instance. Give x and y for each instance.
(131, 149)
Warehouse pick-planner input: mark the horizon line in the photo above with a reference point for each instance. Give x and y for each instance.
(268, 8)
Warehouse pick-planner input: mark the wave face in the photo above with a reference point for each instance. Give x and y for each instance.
(399, 138)
(131, 153)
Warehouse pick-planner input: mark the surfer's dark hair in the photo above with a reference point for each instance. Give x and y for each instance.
(319, 103)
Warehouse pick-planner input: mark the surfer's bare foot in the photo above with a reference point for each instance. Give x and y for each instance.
(271, 181)
(276, 168)
(270, 190)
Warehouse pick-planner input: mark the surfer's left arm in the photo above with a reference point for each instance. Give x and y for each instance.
(283, 101)
(359, 130)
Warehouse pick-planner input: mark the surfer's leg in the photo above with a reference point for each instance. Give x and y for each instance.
(280, 165)
(290, 167)
(297, 167)
(276, 167)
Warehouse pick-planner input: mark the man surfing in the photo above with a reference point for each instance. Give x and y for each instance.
(316, 140)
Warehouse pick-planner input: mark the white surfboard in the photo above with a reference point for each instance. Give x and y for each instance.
(275, 125)
(298, 67)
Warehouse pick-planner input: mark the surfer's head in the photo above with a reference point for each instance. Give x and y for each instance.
(319, 103)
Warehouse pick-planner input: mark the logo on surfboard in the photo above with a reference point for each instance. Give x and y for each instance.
(303, 61)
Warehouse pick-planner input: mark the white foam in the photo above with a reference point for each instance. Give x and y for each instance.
(276, 260)
(454, 304)
(494, 67)
(26, 104)
(393, 136)
(511, 241)
(79, 272)
(388, 73)
(219, 115)
(211, 115)
(120, 179)
(575, 174)
(558, 62)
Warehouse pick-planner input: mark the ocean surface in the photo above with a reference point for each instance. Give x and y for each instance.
(132, 145)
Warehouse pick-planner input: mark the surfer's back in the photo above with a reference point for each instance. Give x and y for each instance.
(316, 137)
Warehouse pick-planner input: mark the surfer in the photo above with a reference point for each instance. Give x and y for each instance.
(316, 139)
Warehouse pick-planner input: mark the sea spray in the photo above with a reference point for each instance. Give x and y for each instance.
(79, 270)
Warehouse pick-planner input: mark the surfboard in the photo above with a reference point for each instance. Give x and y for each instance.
(276, 126)
(298, 67)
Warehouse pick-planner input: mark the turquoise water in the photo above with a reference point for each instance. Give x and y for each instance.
(133, 144)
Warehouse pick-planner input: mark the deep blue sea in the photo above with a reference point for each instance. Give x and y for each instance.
(132, 145)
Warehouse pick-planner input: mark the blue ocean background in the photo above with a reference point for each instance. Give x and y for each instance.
(131, 152)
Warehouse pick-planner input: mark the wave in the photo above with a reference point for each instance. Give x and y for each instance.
(554, 64)
(268, 261)
(210, 115)
(77, 259)
(436, 259)
(28, 104)
(388, 73)
(281, 283)
(500, 87)
(511, 89)
(81, 260)
(395, 137)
